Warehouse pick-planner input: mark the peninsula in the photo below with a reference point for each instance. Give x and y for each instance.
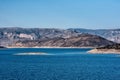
(109, 49)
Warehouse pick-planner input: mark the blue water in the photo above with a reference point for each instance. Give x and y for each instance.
(63, 64)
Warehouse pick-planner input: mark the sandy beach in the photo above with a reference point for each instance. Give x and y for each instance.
(31, 53)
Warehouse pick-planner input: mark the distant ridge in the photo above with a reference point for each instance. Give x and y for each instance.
(110, 34)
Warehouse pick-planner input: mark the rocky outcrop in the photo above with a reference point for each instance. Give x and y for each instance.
(2, 47)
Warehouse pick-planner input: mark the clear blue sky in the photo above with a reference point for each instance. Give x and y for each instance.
(92, 14)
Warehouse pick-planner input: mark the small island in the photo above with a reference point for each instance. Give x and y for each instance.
(109, 49)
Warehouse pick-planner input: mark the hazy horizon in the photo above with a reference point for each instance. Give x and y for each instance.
(63, 28)
(63, 14)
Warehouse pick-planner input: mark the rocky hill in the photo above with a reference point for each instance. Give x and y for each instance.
(9, 36)
(82, 40)
(110, 34)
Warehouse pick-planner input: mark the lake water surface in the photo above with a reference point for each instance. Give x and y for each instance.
(59, 64)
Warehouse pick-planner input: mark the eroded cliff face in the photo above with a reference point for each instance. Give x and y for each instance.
(82, 40)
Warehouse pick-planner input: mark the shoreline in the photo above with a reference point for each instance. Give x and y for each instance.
(51, 47)
(104, 51)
